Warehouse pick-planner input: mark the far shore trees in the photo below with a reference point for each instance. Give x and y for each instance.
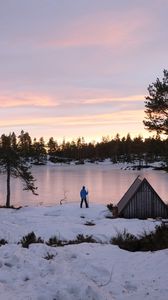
(118, 149)
(14, 165)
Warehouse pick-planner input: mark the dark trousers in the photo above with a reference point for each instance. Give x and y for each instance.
(83, 199)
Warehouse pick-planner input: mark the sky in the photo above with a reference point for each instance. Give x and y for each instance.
(71, 68)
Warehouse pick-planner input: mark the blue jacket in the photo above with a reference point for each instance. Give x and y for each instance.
(83, 193)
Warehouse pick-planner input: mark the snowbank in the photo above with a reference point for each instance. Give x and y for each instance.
(77, 272)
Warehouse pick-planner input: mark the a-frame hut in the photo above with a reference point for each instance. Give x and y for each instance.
(141, 201)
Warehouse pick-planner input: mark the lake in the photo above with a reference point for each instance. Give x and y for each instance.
(104, 182)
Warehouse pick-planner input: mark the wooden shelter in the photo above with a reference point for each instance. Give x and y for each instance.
(141, 201)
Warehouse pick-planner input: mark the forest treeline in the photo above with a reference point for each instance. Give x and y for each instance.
(125, 149)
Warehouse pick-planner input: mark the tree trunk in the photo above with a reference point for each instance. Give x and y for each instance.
(8, 186)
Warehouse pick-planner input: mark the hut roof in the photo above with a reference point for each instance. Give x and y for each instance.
(131, 192)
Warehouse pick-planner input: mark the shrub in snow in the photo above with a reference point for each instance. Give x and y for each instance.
(113, 209)
(126, 241)
(84, 239)
(30, 238)
(3, 242)
(110, 207)
(89, 223)
(54, 241)
(156, 240)
(49, 256)
(152, 241)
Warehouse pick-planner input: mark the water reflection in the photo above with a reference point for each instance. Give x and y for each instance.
(105, 184)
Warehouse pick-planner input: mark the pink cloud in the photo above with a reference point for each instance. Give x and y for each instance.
(64, 96)
(102, 29)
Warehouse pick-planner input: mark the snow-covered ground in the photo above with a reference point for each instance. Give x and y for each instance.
(118, 165)
(99, 271)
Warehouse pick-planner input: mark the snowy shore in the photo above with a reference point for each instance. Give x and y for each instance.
(86, 271)
(116, 166)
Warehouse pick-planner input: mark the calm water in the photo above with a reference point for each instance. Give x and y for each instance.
(105, 184)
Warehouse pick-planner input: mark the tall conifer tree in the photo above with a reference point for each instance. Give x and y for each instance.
(14, 165)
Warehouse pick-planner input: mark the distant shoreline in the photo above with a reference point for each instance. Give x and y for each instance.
(158, 165)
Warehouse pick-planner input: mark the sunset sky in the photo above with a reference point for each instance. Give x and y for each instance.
(71, 68)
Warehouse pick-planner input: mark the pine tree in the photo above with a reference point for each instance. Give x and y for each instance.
(157, 106)
(14, 165)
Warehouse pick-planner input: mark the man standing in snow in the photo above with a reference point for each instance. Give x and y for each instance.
(83, 194)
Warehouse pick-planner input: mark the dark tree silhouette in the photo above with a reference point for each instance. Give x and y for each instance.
(39, 153)
(52, 146)
(25, 144)
(157, 106)
(14, 165)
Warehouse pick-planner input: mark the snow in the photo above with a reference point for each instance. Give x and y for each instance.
(98, 271)
(116, 166)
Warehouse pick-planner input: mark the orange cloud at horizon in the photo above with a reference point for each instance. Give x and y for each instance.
(91, 127)
(132, 116)
(7, 100)
(112, 99)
